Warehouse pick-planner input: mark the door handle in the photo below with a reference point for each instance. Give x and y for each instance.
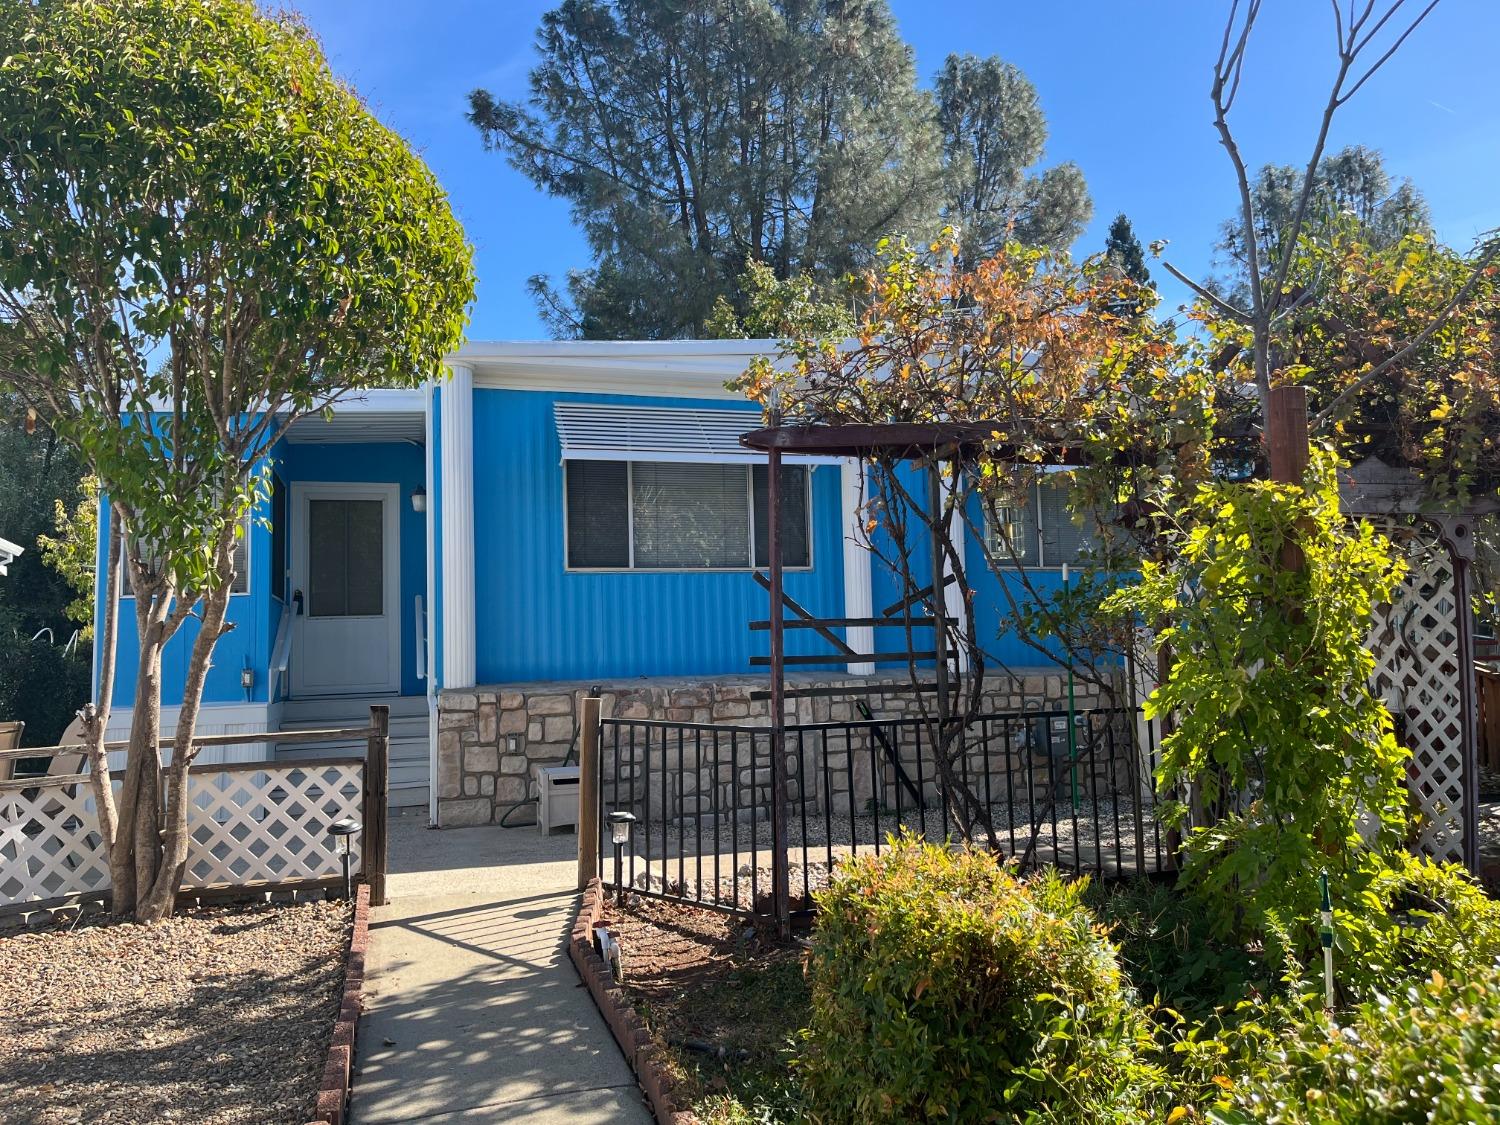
(297, 601)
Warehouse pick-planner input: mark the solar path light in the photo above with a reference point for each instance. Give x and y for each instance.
(621, 824)
(346, 830)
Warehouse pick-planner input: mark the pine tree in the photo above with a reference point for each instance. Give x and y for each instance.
(1123, 248)
(994, 132)
(694, 141)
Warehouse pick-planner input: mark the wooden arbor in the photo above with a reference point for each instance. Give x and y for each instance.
(1423, 643)
(932, 444)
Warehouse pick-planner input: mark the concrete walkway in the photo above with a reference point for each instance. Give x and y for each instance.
(472, 1009)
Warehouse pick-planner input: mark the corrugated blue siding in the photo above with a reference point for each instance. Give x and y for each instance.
(256, 614)
(537, 621)
(250, 639)
(992, 613)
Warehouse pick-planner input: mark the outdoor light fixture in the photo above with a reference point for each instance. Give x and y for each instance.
(347, 828)
(419, 499)
(247, 680)
(620, 825)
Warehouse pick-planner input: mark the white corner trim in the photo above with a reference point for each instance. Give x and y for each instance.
(429, 633)
(456, 404)
(953, 601)
(858, 592)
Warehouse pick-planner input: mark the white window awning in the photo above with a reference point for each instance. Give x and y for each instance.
(590, 431)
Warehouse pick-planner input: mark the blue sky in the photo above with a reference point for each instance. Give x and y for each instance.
(1124, 84)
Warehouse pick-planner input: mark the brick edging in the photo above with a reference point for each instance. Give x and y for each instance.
(333, 1090)
(645, 1056)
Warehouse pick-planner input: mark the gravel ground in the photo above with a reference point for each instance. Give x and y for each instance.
(216, 1016)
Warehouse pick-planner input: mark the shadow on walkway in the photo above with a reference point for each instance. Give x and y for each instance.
(473, 1011)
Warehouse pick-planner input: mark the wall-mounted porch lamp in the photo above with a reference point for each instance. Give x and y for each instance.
(620, 825)
(419, 499)
(346, 830)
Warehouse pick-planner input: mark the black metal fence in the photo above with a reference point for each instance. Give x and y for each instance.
(1042, 789)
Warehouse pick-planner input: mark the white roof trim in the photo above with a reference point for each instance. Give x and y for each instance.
(9, 553)
(653, 368)
(590, 431)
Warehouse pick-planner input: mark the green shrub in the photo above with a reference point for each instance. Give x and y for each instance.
(946, 988)
(1431, 918)
(1169, 951)
(1425, 1054)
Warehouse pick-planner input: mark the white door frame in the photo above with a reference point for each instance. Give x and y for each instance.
(390, 495)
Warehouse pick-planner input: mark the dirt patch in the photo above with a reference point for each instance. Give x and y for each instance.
(219, 1016)
(724, 996)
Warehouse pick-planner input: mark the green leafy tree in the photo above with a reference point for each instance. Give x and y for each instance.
(775, 309)
(43, 677)
(37, 471)
(1352, 184)
(206, 234)
(1288, 755)
(693, 139)
(73, 551)
(994, 132)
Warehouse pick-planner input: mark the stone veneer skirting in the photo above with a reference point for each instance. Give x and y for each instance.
(490, 737)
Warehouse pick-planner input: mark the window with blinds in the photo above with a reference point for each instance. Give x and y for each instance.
(241, 566)
(1042, 532)
(648, 515)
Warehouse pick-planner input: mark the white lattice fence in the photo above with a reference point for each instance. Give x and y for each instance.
(1418, 665)
(255, 823)
(270, 824)
(49, 846)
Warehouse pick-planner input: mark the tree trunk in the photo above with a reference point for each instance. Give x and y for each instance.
(157, 902)
(137, 840)
(96, 714)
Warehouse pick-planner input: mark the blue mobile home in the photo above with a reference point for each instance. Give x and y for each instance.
(545, 517)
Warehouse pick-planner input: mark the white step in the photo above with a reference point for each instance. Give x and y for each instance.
(408, 779)
(350, 710)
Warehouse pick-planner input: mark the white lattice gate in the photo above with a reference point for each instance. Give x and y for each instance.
(253, 823)
(1421, 665)
(249, 824)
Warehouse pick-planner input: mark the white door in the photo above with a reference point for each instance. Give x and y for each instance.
(346, 631)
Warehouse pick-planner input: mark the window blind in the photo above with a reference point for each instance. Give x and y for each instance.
(690, 515)
(598, 515)
(796, 550)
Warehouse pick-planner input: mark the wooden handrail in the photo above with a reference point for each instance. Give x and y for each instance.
(289, 737)
(53, 781)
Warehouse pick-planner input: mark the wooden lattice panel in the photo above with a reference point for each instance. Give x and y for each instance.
(49, 848)
(1418, 665)
(271, 824)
